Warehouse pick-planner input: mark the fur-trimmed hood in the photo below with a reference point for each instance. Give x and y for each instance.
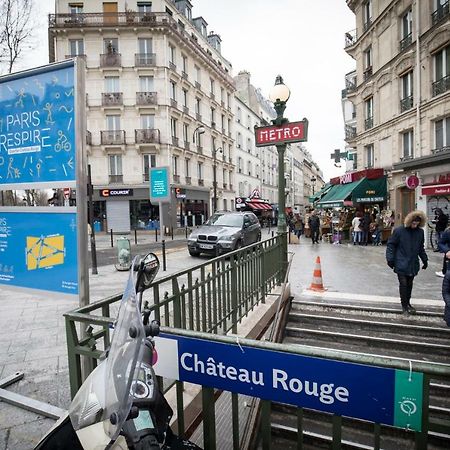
(409, 218)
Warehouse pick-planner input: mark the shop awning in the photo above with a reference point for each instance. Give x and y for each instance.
(361, 191)
(258, 206)
(338, 194)
(319, 194)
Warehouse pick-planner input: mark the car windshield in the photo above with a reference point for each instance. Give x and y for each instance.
(226, 220)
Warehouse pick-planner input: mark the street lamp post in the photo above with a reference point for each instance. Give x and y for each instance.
(279, 96)
(313, 183)
(214, 152)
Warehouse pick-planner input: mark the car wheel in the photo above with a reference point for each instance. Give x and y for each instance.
(194, 253)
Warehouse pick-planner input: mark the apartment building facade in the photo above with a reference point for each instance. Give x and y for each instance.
(159, 93)
(401, 97)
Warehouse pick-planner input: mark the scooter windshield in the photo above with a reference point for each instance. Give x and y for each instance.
(124, 357)
(106, 394)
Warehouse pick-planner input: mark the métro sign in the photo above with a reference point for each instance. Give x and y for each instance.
(159, 184)
(286, 133)
(376, 394)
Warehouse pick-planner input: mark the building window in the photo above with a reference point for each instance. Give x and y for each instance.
(145, 46)
(369, 155)
(197, 106)
(442, 133)
(187, 167)
(112, 84)
(173, 127)
(173, 90)
(406, 37)
(75, 8)
(407, 139)
(188, 13)
(200, 171)
(169, 11)
(185, 132)
(113, 123)
(146, 84)
(76, 47)
(441, 10)
(144, 7)
(239, 140)
(249, 167)
(185, 98)
(239, 115)
(368, 105)
(111, 45)
(441, 71)
(198, 77)
(367, 63)
(225, 206)
(185, 63)
(367, 14)
(406, 101)
(249, 145)
(213, 117)
(148, 161)
(172, 55)
(211, 82)
(147, 121)
(115, 167)
(175, 165)
(239, 164)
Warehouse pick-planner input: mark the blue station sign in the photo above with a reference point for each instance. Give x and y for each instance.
(381, 395)
(159, 184)
(38, 250)
(37, 126)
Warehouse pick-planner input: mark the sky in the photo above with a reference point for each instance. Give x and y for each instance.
(302, 40)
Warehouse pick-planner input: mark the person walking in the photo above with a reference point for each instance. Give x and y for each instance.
(444, 247)
(314, 225)
(404, 248)
(441, 221)
(356, 226)
(298, 225)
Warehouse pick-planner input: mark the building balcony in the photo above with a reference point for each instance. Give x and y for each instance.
(172, 65)
(175, 141)
(112, 19)
(184, 75)
(213, 125)
(173, 103)
(213, 97)
(110, 60)
(145, 59)
(146, 177)
(114, 179)
(176, 178)
(406, 157)
(367, 24)
(198, 85)
(186, 145)
(406, 103)
(350, 132)
(147, 136)
(112, 98)
(188, 180)
(198, 117)
(201, 182)
(112, 137)
(445, 149)
(368, 123)
(146, 98)
(441, 86)
(367, 73)
(406, 42)
(441, 13)
(350, 38)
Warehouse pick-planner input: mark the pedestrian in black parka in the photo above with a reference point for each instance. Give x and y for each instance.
(446, 297)
(404, 248)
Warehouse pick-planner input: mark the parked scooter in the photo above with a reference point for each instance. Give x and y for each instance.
(119, 406)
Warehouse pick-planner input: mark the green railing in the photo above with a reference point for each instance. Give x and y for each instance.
(212, 297)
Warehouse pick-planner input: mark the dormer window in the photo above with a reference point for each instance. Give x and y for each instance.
(144, 7)
(188, 13)
(75, 8)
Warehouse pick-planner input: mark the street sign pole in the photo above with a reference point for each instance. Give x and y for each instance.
(161, 220)
(281, 149)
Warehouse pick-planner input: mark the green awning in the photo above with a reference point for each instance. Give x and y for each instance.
(370, 191)
(338, 194)
(319, 194)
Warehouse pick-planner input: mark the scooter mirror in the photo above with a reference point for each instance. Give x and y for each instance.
(147, 268)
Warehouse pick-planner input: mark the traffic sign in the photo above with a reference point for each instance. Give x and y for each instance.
(286, 133)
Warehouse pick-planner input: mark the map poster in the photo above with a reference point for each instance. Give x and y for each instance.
(37, 127)
(38, 250)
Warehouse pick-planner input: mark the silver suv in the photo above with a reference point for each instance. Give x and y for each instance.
(224, 232)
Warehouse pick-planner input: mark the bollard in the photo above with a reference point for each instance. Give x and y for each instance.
(289, 236)
(164, 254)
(186, 231)
(135, 236)
(156, 234)
(172, 233)
(112, 241)
(273, 234)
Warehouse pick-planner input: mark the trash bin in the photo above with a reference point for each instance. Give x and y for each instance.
(97, 226)
(123, 254)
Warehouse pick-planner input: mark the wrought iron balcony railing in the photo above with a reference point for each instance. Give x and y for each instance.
(350, 38)
(145, 59)
(112, 137)
(173, 103)
(445, 149)
(115, 179)
(110, 60)
(368, 123)
(367, 24)
(406, 42)
(198, 85)
(201, 182)
(184, 75)
(367, 73)
(440, 13)
(146, 98)
(185, 110)
(406, 103)
(146, 177)
(147, 136)
(176, 178)
(441, 86)
(188, 180)
(198, 117)
(175, 141)
(187, 145)
(112, 98)
(406, 157)
(172, 65)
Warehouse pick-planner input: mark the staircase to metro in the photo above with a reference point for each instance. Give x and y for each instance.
(371, 328)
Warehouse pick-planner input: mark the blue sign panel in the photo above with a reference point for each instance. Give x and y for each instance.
(39, 251)
(341, 388)
(159, 184)
(37, 126)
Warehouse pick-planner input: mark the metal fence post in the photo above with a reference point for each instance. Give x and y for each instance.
(112, 240)
(135, 236)
(164, 254)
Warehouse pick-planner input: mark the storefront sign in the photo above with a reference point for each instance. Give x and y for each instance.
(412, 182)
(37, 127)
(381, 395)
(351, 177)
(116, 192)
(180, 193)
(276, 135)
(159, 184)
(437, 189)
(39, 251)
(369, 199)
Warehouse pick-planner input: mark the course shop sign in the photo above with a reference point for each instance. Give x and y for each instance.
(283, 134)
(116, 192)
(381, 395)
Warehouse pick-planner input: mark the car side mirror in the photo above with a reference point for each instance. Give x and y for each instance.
(246, 224)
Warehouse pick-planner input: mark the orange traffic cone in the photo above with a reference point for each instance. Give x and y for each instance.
(317, 283)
